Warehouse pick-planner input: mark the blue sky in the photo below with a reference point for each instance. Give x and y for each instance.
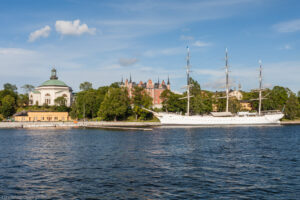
(101, 41)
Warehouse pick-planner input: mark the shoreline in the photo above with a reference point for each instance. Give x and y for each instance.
(102, 124)
(78, 124)
(290, 122)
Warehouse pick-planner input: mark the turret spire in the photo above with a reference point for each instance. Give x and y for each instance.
(53, 74)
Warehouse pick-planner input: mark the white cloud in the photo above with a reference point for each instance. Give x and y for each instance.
(201, 44)
(73, 28)
(43, 32)
(127, 61)
(288, 26)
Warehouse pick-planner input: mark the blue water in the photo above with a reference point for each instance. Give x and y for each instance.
(196, 163)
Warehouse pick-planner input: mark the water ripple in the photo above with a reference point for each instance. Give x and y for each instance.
(197, 163)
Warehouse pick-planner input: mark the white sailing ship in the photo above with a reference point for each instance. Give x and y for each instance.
(220, 118)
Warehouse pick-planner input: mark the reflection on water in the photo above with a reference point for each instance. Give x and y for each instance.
(166, 163)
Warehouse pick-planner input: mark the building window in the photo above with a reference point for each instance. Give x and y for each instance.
(47, 99)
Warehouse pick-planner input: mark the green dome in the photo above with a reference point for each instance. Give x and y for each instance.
(54, 83)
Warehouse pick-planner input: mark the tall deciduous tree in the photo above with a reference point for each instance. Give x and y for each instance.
(8, 86)
(141, 99)
(60, 101)
(115, 105)
(22, 100)
(292, 107)
(172, 102)
(27, 88)
(8, 106)
(85, 86)
(276, 98)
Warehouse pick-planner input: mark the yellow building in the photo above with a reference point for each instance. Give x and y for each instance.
(41, 116)
(245, 105)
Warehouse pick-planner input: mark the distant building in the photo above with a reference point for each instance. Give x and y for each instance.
(153, 89)
(48, 91)
(236, 93)
(42, 116)
(245, 105)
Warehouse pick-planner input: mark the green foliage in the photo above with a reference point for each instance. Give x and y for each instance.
(23, 100)
(172, 102)
(60, 104)
(1, 118)
(115, 85)
(116, 105)
(87, 105)
(6, 92)
(7, 108)
(27, 88)
(85, 86)
(292, 107)
(276, 99)
(234, 105)
(8, 86)
(60, 101)
(141, 99)
(201, 101)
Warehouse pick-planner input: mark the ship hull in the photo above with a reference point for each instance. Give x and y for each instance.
(197, 120)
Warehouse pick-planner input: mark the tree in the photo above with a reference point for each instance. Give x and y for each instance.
(27, 88)
(8, 86)
(23, 100)
(60, 101)
(87, 103)
(292, 107)
(85, 86)
(172, 102)
(115, 85)
(141, 99)
(276, 98)
(7, 108)
(115, 105)
(201, 101)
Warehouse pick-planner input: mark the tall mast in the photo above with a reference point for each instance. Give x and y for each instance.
(188, 80)
(227, 80)
(260, 87)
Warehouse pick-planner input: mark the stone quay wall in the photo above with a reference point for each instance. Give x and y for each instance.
(76, 125)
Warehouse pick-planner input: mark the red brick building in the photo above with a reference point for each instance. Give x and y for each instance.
(153, 89)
